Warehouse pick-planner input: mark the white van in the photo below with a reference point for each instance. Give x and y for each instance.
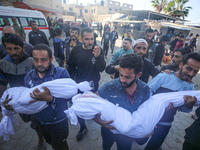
(24, 17)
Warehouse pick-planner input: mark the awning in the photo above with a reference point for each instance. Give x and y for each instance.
(128, 21)
(36, 7)
(176, 26)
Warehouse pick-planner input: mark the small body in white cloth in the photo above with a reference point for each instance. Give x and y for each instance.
(136, 125)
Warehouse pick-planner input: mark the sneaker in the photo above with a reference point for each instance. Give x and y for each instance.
(81, 134)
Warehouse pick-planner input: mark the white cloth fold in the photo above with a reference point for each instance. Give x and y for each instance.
(136, 125)
(59, 88)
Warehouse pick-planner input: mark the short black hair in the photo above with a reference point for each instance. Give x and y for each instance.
(193, 55)
(128, 39)
(155, 30)
(191, 33)
(128, 31)
(13, 39)
(177, 34)
(181, 36)
(184, 51)
(164, 38)
(197, 34)
(149, 30)
(42, 46)
(86, 29)
(32, 22)
(58, 31)
(131, 61)
(75, 29)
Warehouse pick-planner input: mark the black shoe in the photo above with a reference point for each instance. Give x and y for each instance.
(81, 134)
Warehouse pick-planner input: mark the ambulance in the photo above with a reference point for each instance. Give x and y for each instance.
(23, 16)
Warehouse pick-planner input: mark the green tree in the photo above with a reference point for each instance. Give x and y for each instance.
(177, 8)
(158, 5)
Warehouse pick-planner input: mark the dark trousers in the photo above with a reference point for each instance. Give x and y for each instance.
(56, 134)
(112, 46)
(190, 146)
(158, 137)
(82, 124)
(105, 49)
(123, 142)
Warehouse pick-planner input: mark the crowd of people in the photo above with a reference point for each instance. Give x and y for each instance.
(81, 59)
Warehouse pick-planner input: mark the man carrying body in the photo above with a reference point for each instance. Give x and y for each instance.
(178, 81)
(85, 64)
(151, 49)
(140, 48)
(126, 49)
(13, 69)
(37, 36)
(3, 52)
(129, 35)
(19, 29)
(129, 92)
(113, 38)
(52, 120)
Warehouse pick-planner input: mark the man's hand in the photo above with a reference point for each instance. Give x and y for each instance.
(96, 51)
(103, 123)
(171, 105)
(189, 101)
(116, 67)
(41, 96)
(6, 105)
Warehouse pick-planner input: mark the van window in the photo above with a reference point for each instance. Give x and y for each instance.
(40, 21)
(24, 22)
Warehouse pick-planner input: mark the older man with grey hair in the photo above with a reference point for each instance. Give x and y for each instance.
(140, 48)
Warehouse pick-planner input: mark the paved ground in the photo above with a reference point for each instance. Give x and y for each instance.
(25, 138)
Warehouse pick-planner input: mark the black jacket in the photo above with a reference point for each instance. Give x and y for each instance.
(37, 37)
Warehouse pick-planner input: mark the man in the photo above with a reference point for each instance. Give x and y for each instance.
(193, 41)
(85, 64)
(180, 42)
(100, 29)
(105, 40)
(6, 22)
(13, 69)
(188, 38)
(19, 29)
(179, 81)
(126, 49)
(72, 42)
(37, 36)
(113, 38)
(151, 44)
(129, 92)
(58, 45)
(179, 54)
(129, 35)
(140, 48)
(3, 52)
(173, 43)
(160, 51)
(170, 34)
(52, 120)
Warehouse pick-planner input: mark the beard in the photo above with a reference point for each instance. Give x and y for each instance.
(182, 76)
(86, 46)
(128, 85)
(44, 69)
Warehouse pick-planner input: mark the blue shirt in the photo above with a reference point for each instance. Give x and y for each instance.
(119, 53)
(115, 93)
(54, 113)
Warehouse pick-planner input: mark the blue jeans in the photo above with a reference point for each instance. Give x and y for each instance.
(112, 46)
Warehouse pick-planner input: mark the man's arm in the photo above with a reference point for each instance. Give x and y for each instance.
(100, 63)
(72, 64)
(45, 39)
(30, 39)
(111, 69)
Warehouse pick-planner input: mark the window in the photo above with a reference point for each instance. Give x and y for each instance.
(117, 4)
(115, 9)
(24, 22)
(40, 21)
(130, 6)
(110, 9)
(86, 10)
(70, 9)
(92, 11)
